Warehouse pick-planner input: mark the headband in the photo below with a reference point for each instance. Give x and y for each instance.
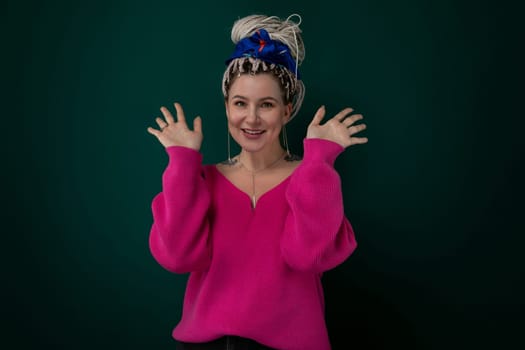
(261, 46)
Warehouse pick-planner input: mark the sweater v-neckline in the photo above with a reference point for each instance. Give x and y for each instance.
(248, 196)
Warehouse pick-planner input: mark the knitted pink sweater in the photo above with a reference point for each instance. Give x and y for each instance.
(255, 273)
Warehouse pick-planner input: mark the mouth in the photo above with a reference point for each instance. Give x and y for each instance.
(253, 132)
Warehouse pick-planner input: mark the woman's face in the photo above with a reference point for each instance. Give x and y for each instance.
(256, 111)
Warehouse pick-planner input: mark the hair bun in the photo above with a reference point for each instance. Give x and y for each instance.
(286, 31)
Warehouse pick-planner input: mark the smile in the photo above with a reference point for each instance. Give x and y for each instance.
(253, 132)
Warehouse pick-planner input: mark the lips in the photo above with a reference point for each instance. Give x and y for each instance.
(253, 132)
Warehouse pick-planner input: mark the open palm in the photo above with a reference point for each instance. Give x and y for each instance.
(177, 133)
(339, 129)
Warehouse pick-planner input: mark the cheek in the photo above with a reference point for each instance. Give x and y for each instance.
(278, 122)
(233, 119)
(235, 116)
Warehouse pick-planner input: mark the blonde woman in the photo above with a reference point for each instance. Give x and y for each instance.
(256, 231)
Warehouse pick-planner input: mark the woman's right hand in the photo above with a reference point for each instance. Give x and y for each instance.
(177, 133)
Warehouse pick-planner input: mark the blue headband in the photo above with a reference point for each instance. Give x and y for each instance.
(261, 46)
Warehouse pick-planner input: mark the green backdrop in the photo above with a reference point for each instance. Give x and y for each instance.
(435, 197)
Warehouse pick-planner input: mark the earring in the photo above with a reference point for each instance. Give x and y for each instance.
(229, 161)
(289, 157)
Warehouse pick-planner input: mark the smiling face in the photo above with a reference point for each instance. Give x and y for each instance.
(256, 111)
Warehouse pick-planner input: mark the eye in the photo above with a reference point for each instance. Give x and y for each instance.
(239, 103)
(267, 104)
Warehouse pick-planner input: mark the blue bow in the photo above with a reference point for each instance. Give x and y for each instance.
(261, 46)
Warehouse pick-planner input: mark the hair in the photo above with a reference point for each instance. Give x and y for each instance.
(285, 31)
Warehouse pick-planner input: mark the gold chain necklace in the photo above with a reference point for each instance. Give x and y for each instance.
(253, 172)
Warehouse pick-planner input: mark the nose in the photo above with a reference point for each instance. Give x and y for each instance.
(252, 115)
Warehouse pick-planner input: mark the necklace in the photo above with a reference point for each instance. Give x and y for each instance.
(254, 172)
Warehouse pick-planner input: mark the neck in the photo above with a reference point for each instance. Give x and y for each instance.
(257, 161)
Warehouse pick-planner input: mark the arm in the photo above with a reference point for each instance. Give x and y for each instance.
(317, 236)
(179, 234)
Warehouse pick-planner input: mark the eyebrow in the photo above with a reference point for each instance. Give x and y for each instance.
(262, 99)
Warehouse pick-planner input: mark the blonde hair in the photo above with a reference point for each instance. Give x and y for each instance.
(285, 31)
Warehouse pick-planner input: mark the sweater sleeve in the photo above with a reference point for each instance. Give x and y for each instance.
(318, 236)
(179, 235)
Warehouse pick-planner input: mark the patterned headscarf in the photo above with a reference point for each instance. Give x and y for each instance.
(262, 47)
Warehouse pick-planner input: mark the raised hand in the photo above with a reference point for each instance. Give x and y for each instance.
(339, 129)
(177, 133)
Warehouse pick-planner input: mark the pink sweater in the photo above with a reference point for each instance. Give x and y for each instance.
(254, 273)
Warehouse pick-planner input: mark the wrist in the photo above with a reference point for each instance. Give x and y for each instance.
(317, 149)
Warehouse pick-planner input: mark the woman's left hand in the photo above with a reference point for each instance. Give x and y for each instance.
(339, 129)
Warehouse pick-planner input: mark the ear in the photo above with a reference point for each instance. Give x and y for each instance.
(226, 107)
(287, 113)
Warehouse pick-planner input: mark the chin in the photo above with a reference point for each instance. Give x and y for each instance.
(252, 146)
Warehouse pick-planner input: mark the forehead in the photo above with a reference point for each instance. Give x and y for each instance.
(255, 86)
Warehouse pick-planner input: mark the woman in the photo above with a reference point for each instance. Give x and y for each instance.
(257, 231)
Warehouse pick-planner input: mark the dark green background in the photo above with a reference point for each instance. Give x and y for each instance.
(435, 197)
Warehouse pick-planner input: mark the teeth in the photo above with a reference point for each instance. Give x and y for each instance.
(252, 132)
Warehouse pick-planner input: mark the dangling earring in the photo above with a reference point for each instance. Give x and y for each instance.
(229, 161)
(289, 157)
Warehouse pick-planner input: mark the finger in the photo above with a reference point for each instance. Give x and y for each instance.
(356, 128)
(154, 132)
(352, 119)
(167, 115)
(180, 113)
(161, 123)
(319, 115)
(342, 115)
(358, 140)
(197, 124)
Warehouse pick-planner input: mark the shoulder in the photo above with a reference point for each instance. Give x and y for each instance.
(208, 171)
(226, 166)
